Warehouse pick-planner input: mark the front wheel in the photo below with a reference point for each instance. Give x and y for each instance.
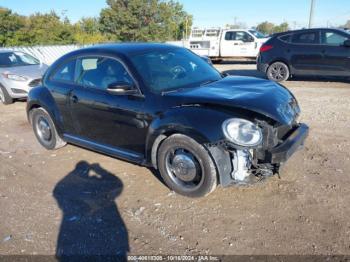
(45, 130)
(278, 72)
(186, 166)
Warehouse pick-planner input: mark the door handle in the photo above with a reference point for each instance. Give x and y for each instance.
(74, 99)
(235, 44)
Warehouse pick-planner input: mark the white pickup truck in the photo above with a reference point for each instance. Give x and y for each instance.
(219, 44)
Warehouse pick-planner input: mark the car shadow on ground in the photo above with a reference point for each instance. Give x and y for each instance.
(91, 227)
(157, 175)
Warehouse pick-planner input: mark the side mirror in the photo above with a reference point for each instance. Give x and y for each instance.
(122, 88)
(347, 43)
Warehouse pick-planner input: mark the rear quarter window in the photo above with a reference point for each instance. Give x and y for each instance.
(306, 38)
(286, 38)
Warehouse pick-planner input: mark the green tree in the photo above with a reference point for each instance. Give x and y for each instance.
(175, 21)
(87, 31)
(10, 23)
(270, 28)
(281, 28)
(41, 29)
(144, 20)
(265, 27)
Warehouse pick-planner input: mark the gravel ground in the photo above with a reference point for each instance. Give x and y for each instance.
(54, 201)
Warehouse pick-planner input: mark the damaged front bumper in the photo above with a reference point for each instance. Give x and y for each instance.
(247, 166)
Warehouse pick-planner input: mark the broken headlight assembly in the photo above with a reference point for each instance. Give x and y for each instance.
(242, 132)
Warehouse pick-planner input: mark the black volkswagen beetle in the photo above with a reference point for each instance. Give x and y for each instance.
(166, 108)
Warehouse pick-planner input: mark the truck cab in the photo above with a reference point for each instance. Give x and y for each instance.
(218, 43)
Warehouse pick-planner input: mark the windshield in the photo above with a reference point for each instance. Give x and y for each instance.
(257, 34)
(13, 59)
(174, 69)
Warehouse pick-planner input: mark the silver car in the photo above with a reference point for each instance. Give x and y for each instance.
(19, 72)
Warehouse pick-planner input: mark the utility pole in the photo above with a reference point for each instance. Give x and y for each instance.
(311, 18)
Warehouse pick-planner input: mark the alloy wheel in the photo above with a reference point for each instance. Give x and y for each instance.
(278, 72)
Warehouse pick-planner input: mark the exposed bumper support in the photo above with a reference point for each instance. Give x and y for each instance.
(283, 152)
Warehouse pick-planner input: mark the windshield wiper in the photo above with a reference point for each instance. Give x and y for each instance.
(208, 82)
(172, 91)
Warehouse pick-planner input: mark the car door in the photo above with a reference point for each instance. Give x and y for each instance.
(60, 84)
(237, 43)
(305, 53)
(102, 117)
(336, 56)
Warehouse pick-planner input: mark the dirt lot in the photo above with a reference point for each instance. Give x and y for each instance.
(54, 200)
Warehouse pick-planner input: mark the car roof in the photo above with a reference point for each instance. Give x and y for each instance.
(308, 29)
(128, 48)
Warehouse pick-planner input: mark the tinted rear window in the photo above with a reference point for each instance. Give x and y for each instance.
(286, 38)
(306, 38)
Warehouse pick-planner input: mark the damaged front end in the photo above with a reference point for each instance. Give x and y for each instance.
(238, 165)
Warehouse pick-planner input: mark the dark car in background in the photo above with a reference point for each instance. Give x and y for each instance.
(309, 52)
(166, 108)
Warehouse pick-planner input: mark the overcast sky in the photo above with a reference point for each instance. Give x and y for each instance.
(208, 12)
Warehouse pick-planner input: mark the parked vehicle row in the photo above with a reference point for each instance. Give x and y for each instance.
(164, 107)
(310, 52)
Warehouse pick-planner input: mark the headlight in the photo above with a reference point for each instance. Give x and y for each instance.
(15, 77)
(242, 132)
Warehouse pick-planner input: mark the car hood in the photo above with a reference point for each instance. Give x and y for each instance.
(253, 94)
(30, 71)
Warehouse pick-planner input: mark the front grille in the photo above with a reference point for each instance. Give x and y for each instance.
(35, 82)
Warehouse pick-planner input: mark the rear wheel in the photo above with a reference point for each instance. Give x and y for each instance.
(45, 130)
(186, 166)
(278, 72)
(5, 98)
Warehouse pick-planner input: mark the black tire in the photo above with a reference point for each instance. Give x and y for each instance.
(45, 130)
(5, 98)
(278, 72)
(186, 181)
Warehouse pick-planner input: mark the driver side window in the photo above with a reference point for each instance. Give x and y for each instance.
(333, 38)
(238, 36)
(101, 72)
(244, 37)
